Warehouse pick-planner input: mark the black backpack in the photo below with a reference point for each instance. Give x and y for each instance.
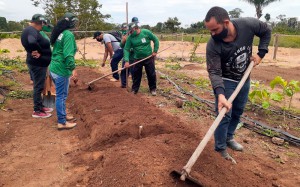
(117, 35)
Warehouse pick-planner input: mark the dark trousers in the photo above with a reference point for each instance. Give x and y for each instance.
(225, 130)
(150, 71)
(116, 58)
(123, 73)
(38, 78)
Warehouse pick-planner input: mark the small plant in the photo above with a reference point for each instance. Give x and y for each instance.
(288, 88)
(193, 57)
(202, 82)
(173, 67)
(4, 51)
(20, 94)
(269, 133)
(86, 63)
(259, 94)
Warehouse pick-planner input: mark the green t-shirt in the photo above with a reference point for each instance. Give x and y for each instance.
(63, 55)
(141, 45)
(131, 54)
(44, 35)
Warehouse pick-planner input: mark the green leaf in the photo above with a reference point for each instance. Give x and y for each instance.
(278, 81)
(265, 104)
(289, 92)
(276, 96)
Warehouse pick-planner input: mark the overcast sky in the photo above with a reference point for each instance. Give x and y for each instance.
(153, 11)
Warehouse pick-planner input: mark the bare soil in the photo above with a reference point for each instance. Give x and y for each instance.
(106, 149)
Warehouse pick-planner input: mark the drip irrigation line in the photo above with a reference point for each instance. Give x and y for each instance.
(257, 127)
(289, 115)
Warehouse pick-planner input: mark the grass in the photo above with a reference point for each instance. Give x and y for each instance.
(292, 41)
(175, 66)
(20, 94)
(87, 63)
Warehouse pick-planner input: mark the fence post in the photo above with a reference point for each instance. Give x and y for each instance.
(275, 45)
(161, 37)
(182, 37)
(193, 39)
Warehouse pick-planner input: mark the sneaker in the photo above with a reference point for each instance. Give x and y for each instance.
(153, 92)
(227, 156)
(113, 80)
(69, 117)
(123, 86)
(232, 144)
(134, 92)
(67, 125)
(48, 110)
(38, 114)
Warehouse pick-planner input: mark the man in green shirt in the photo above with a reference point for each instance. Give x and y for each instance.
(140, 41)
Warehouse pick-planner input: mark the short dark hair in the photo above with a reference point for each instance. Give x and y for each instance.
(220, 14)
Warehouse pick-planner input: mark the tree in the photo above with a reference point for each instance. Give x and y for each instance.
(14, 26)
(293, 22)
(259, 5)
(3, 24)
(88, 12)
(267, 17)
(146, 27)
(235, 13)
(159, 27)
(172, 24)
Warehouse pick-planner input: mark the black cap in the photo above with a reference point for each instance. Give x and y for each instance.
(97, 33)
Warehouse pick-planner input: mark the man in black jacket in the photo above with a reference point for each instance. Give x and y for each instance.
(38, 58)
(228, 54)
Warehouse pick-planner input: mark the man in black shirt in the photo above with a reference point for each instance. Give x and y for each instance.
(38, 58)
(228, 54)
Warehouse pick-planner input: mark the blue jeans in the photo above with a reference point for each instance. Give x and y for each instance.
(62, 90)
(225, 130)
(38, 75)
(116, 58)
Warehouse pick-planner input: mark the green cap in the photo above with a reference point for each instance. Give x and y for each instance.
(38, 18)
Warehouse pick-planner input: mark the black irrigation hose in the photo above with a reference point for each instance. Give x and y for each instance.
(257, 125)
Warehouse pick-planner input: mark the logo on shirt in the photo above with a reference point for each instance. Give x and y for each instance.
(60, 36)
(240, 58)
(143, 40)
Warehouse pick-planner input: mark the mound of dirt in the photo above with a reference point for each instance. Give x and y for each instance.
(112, 153)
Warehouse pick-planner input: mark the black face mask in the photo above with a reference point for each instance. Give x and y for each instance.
(219, 37)
(99, 40)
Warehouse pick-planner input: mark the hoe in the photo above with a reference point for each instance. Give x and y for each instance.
(185, 171)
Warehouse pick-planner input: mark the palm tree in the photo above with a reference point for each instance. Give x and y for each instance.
(259, 5)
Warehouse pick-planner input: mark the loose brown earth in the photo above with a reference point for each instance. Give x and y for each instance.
(105, 149)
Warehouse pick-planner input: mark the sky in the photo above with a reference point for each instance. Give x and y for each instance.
(150, 12)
